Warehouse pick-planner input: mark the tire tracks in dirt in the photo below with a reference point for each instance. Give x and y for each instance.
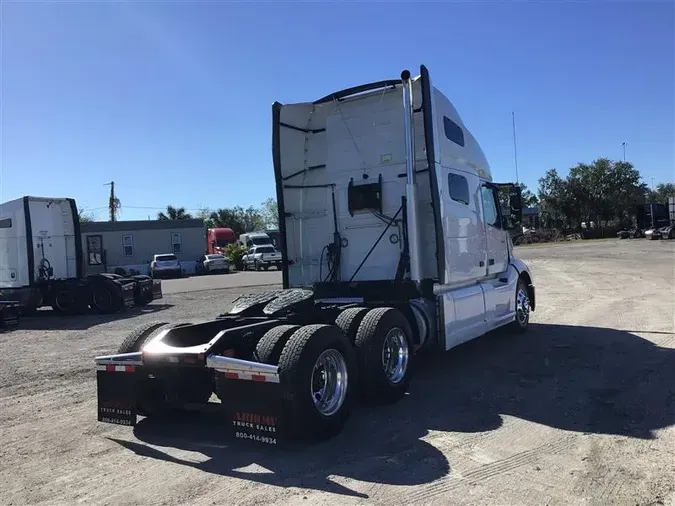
(481, 474)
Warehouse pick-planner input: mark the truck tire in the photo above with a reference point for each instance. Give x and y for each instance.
(70, 300)
(317, 371)
(269, 348)
(105, 299)
(135, 341)
(65, 300)
(349, 320)
(522, 321)
(383, 349)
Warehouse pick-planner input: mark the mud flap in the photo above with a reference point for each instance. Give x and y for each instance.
(253, 409)
(116, 389)
(156, 289)
(128, 299)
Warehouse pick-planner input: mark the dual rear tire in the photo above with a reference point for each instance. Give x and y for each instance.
(322, 368)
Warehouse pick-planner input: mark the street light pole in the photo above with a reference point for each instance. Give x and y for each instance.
(624, 151)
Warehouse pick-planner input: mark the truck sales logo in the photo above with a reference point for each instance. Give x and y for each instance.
(254, 418)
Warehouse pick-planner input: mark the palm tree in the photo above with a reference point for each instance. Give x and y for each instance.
(174, 213)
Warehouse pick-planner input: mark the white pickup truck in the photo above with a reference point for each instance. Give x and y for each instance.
(262, 258)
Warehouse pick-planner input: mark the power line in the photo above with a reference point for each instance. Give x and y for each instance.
(153, 208)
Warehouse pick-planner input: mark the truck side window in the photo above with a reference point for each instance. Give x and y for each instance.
(453, 131)
(490, 214)
(5, 222)
(459, 188)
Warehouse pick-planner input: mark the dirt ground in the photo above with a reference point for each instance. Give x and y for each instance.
(581, 410)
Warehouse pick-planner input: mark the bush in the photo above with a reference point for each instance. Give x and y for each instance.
(234, 253)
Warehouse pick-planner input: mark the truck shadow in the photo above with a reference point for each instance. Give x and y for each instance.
(47, 319)
(579, 379)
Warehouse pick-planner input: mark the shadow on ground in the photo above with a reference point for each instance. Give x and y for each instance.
(581, 379)
(47, 319)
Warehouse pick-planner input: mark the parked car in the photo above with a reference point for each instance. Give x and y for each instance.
(165, 265)
(262, 257)
(213, 263)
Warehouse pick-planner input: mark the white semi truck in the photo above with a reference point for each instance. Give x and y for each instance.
(41, 262)
(393, 242)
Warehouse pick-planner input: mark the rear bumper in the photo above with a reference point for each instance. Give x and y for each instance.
(167, 272)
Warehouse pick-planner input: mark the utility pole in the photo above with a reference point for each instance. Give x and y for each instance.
(113, 202)
(624, 151)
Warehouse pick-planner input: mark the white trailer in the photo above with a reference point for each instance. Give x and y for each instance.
(393, 241)
(41, 262)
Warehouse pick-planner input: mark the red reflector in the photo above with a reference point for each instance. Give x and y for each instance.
(257, 377)
(200, 356)
(228, 353)
(190, 360)
(129, 368)
(110, 368)
(232, 375)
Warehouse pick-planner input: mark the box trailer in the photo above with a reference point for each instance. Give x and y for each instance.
(394, 241)
(41, 262)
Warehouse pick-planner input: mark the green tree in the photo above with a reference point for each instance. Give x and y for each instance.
(174, 213)
(270, 213)
(603, 190)
(528, 198)
(204, 214)
(237, 218)
(661, 193)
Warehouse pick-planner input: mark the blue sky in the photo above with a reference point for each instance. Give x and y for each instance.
(172, 100)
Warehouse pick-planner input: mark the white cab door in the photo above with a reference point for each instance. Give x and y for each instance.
(496, 247)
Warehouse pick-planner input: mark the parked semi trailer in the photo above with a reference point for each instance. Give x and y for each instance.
(393, 242)
(41, 262)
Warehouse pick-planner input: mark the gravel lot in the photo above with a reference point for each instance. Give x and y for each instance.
(581, 410)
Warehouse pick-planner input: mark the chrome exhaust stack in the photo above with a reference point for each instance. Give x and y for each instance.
(411, 186)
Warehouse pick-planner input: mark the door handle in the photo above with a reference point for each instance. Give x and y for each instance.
(491, 261)
(481, 264)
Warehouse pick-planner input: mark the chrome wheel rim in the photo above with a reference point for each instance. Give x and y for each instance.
(522, 307)
(395, 355)
(329, 382)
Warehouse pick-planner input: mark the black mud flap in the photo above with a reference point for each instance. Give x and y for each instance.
(9, 315)
(156, 289)
(117, 395)
(253, 409)
(128, 298)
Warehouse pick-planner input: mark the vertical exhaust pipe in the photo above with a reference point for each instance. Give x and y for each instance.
(411, 186)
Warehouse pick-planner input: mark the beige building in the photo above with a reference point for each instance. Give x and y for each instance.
(130, 245)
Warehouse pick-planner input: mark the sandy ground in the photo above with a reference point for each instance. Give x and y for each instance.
(581, 410)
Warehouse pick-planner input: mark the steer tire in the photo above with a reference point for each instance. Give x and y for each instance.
(376, 325)
(520, 325)
(269, 348)
(302, 419)
(137, 338)
(350, 319)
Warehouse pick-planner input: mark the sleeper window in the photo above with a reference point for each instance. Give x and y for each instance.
(459, 188)
(490, 214)
(453, 131)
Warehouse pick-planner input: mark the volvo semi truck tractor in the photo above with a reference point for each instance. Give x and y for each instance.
(394, 241)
